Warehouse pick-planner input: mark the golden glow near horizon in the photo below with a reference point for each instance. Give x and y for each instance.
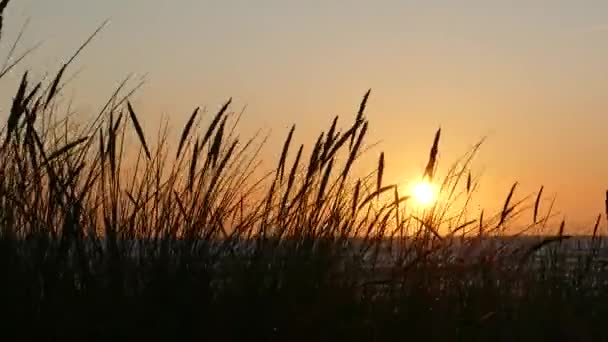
(424, 193)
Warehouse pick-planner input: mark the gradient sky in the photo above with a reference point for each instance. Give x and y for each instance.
(530, 75)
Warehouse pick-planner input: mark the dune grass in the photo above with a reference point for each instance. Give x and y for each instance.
(187, 240)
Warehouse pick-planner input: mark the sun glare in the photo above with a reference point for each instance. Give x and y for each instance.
(424, 193)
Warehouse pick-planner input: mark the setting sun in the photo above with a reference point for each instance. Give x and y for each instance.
(424, 193)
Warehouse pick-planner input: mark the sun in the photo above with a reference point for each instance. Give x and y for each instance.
(424, 193)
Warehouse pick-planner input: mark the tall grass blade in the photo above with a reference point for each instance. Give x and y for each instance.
(138, 130)
(356, 198)
(3, 5)
(54, 86)
(430, 167)
(65, 149)
(376, 194)
(537, 203)
(214, 151)
(542, 244)
(362, 106)
(329, 140)
(186, 132)
(292, 177)
(596, 226)
(481, 228)
(354, 151)
(17, 109)
(324, 182)
(360, 113)
(380, 171)
(193, 162)
(284, 152)
(506, 210)
(215, 121)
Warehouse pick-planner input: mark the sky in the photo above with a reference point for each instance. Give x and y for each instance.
(529, 75)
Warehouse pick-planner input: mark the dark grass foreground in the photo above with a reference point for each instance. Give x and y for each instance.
(102, 238)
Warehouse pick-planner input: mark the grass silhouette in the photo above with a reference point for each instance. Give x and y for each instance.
(95, 244)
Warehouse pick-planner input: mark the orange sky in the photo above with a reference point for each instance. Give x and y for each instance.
(530, 75)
